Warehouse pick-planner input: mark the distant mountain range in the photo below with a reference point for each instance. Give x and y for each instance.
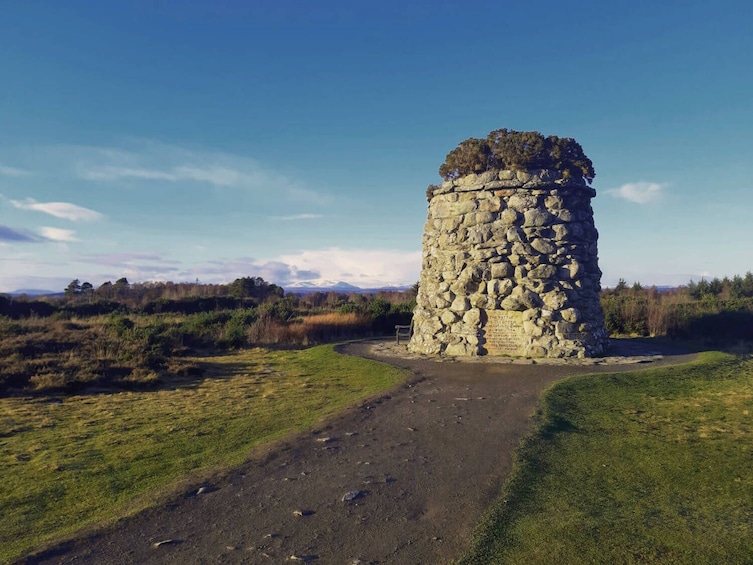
(33, 292)
(293, 288)
(332, 286)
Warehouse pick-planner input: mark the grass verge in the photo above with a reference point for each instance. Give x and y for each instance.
(645, 467)
(69, 462)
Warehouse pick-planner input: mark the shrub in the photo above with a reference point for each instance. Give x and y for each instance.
(119, 325)
(203, 329)
(350, 308)
(509, 149)
(378, 308)
(235, 332)
(281, 310)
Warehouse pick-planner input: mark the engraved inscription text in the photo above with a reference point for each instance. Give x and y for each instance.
(503, 333)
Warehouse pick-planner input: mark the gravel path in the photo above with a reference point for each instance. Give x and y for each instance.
(402, 478)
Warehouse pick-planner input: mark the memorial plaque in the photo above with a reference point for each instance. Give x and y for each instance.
(503, 333)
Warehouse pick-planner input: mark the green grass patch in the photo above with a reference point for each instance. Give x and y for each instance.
(645, 467)
(74, 461)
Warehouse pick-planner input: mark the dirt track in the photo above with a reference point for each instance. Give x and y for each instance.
(421, 464)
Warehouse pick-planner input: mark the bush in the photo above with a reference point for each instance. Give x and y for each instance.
(235, 331)
(509, 149)
(203, 329)
(378, 308)
(350, 308)
(119, 325)
(281, 310)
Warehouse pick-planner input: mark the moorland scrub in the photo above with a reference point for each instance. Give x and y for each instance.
(717, 312)
(141, 335)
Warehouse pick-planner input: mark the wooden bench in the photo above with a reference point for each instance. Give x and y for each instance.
(405, 331)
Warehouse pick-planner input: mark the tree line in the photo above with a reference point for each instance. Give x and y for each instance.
(716, 310)
(140, 293)
(82, 299)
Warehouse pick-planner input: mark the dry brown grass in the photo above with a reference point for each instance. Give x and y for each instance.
(44, 355)
(310, 330)
(48, 354)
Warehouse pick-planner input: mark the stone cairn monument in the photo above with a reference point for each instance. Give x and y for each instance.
(510, 259)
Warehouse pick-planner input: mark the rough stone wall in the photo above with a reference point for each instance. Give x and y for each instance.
(510, 268)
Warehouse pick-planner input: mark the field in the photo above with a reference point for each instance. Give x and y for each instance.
(73, 461)
(647, 467)
(111, 401)
(644, 467)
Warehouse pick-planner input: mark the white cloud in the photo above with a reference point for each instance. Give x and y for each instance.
(12, 171)
(57, 234)
(63, 210)
(362, 267)
(639, 192)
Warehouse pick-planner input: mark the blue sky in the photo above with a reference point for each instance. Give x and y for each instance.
(183, 140)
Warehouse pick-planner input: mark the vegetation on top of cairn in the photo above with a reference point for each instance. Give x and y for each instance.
(518, 150)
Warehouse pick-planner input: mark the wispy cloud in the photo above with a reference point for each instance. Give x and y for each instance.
(152, 161)
(63, 210)
(57, 234)
(136, 267)
(214, 175)
(12, 171)
(17, 235)
(296, 217)
(639, 192)
(125, 259)
(117, 173)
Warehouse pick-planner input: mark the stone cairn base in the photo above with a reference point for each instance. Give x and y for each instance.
(510, 268)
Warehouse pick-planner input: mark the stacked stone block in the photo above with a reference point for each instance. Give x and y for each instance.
(510, 267)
